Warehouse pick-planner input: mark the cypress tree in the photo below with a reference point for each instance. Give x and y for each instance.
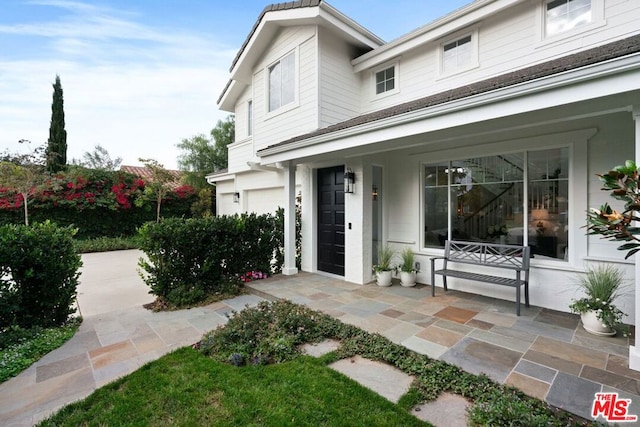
(57, 144)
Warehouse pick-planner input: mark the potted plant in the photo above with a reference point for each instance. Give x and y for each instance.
(408, 268)
(601, 285)
(383, 268)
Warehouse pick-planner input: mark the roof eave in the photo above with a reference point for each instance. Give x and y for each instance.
(609, 68)
(448, 24)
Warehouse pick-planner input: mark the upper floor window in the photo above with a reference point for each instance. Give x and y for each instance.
(282, 82)
(564, 15)
(457, 54)
(386, 80)
(250, 118)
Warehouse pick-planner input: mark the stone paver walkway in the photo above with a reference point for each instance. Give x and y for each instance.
(545, 353)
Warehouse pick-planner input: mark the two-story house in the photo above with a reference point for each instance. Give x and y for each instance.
(495, 117)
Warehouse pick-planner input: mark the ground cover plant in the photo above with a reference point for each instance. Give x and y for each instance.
(20, 348)
(105, 244)
(251, 372)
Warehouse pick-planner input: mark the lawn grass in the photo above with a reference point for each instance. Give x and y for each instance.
(188, 388)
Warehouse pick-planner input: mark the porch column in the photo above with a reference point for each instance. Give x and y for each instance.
(290, 220)
(634, 350)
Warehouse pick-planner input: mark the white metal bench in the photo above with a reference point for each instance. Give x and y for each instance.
(505, 257)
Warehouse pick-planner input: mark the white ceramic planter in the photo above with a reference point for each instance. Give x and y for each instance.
(593, 325)
(408, 279)
(383, 278)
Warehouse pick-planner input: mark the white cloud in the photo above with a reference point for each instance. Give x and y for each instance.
(134, 89)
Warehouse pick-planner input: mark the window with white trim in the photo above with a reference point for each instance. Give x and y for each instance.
(249, 118)
(513, 198)
(282, 82)
(457, 54)
(386, 80)
(565, 15)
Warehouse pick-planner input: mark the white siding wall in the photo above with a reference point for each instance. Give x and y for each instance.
(339, 85)
(507, 41)
(239, 154)
(271, 128)
(241, 113)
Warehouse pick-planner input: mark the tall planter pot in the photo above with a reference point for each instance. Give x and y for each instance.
(383, 278)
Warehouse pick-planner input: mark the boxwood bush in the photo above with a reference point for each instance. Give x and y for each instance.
(189, 260)
(38, 275)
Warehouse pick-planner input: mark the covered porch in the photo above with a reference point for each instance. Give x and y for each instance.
(545, 353)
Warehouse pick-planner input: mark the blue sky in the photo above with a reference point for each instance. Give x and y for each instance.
(139, 76)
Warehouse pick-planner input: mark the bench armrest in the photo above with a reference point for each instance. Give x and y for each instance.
(433, 274)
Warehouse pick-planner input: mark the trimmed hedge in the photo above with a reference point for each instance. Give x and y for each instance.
(191, 259)
(38, 275)
(97, 203)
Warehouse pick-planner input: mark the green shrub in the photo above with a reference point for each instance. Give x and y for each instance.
(38, 275)
(19, 348)
(267, 333)
(191, 259)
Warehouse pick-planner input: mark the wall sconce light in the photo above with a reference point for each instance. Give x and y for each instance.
(349, 180)
(236, 197)
(374, 193)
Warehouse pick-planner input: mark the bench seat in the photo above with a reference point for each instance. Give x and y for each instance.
(502, 257)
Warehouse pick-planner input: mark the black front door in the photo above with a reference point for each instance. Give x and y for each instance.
(331, 220)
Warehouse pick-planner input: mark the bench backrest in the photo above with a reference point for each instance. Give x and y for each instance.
(512, 257)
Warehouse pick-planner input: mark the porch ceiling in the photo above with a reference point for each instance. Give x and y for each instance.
(562, 118)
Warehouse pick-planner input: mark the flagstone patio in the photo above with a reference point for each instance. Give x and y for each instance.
(545, 353)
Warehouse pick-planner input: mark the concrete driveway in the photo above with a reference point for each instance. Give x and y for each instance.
(110, 281)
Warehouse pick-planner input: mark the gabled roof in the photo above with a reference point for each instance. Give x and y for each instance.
(574, 61)
(276, 16)
(269, 8)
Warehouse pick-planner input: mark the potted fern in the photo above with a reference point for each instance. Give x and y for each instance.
(601, 285)
(408, 268)
(383, 268)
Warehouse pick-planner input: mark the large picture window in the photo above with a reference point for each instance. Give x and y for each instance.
(282, 82)
(517, 198)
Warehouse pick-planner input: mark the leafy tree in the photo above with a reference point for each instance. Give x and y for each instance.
(203, 155)
(22, 174)
(23, 179)
(624, 184)
(57, 145)
(100, 159)
(159, 186)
